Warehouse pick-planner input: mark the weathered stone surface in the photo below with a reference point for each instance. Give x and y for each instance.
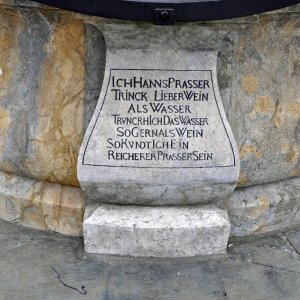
(41, 205)
(155, 231)
(60, 106)
(41, 95)
(265, 110)
(264, 208)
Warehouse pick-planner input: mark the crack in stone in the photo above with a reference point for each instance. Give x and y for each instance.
(270, 266)
(83, 291)
(106, 281)
(165, 191)
(290, 243)
(297, 210)
(15, 220)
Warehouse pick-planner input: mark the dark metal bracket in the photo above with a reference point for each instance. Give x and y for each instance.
(164, 16)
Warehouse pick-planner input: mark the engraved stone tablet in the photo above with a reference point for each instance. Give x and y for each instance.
(159, 119)
(159, 134)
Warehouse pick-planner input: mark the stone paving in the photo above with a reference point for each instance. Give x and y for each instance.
(47, 266)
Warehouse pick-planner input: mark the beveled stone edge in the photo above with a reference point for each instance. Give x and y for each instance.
(127, 233)
(268, 217)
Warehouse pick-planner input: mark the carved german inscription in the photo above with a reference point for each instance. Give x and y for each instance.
(159, 119)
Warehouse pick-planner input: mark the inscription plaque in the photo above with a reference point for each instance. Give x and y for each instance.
(159, 134)
(159, 119)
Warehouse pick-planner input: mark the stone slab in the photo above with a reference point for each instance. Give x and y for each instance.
(155, 231)
(159, 134)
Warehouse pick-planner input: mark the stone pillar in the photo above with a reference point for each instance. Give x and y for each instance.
(159, 152)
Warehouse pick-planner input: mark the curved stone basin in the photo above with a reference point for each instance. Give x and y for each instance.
(51, 66)
(181, 10)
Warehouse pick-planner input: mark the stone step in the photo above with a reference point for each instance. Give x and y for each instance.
(180, 231)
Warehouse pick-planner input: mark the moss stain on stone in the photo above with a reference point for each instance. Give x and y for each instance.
(264, 105)
(10, 26)
(291, 153)
(243, 179)
(4, 124)
(248, 150)
(249, 84)
(286, 112)
(295, 172)
(257, 211)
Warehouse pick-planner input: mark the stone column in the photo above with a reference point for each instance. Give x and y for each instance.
(159, 152)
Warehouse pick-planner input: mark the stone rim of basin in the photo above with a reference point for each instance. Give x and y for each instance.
(163, 12)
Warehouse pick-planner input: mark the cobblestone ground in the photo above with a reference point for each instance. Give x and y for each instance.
(38, 265)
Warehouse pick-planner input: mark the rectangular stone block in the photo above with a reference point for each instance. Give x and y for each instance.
(155, 231)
